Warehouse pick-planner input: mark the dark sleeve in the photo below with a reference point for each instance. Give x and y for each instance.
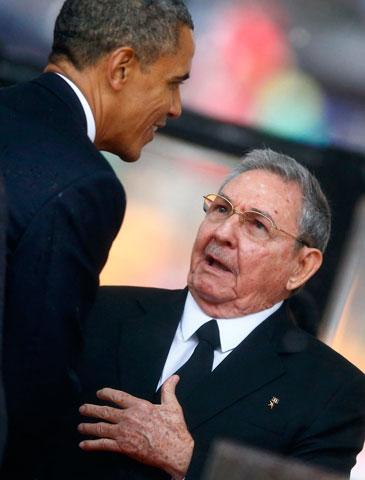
(52, 282)
(199, 459)
(3, 419)
(337, 433)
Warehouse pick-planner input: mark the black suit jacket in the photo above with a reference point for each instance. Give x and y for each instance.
(320, 417)
(65, 207)
(3, 415)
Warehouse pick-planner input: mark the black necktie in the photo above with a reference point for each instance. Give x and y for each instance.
(200, 363)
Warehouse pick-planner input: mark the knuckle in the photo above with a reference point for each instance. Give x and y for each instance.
(99, 428)
(103, 444)
(104, 412)
(116, 396)
(145, 406)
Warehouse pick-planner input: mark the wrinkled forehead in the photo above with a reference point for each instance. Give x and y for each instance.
(266, 192)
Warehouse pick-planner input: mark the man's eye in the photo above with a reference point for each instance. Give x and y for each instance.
(260, 226)
(219, 208)
(257, 226)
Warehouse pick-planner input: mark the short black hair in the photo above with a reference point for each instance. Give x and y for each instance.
(86, 30)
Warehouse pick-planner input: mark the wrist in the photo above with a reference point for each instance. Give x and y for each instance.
(179, 467)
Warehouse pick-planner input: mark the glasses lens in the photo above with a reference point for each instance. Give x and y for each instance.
(257, 225)
(216, 208)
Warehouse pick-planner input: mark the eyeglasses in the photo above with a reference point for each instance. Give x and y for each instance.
(256, 225)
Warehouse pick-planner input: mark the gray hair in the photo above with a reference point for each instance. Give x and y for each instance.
(315, 221)
(86, 30)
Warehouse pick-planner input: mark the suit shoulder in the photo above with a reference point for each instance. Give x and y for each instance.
(329, 360)
(115, 304)
(112, 297)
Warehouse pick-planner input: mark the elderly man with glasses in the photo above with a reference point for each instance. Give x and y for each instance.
(245, 371)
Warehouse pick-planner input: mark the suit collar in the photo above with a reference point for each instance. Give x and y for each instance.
(90, 121)
(285, 334)
(158, 299)
(65, 94)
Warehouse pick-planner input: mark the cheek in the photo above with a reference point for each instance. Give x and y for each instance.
(201, 241)
(260, 266)
(277, 270)
(157, 103)
(251, 256)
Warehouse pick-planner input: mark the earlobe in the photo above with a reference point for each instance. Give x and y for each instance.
(120, 64)
(309, 261)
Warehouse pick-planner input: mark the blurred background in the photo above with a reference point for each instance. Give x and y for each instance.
(284, 74)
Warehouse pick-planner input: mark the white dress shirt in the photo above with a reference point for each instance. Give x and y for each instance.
(232, 331)
(91, 128)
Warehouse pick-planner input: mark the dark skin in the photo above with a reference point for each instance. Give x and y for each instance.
(130, 101)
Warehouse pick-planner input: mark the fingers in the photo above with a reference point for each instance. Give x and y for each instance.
(106, 444)
(109, 414)
(122, 399)
(100, 429)
(168, 390)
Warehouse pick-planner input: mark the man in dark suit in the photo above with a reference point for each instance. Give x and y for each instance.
(3, 215)
(112, 80)
(269, 384)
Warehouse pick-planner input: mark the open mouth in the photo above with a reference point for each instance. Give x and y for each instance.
(156, 126)
(213, 262)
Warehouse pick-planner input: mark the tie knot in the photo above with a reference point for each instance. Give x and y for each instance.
(209, 333)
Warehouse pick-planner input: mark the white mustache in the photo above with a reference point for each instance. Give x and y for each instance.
(217, 252)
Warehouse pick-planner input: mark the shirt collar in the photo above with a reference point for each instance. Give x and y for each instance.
(232, 331)
(90, 121)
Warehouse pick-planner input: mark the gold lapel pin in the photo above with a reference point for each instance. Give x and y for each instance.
(274, 401)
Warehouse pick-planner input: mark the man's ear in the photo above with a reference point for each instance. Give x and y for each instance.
(308, 262)
(120, 64)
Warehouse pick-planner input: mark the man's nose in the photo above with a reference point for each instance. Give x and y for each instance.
(175, 107)
(227, 232)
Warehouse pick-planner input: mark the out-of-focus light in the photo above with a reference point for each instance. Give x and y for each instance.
(299, 37)
(243, 47)
(254, 46)
(131, 260)
(291, 104)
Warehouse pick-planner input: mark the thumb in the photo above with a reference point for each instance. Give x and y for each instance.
(168, 390)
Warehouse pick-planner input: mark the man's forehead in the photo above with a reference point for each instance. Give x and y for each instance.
(176, 65)
(258, 180)
(264, 190)
(186, 48)
(254, 178)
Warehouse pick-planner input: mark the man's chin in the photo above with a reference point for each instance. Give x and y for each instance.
(129, 157)
(127, 153)
(124, 155)
(210, 295)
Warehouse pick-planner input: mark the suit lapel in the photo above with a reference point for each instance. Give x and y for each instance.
(145, 342)
(254, 363)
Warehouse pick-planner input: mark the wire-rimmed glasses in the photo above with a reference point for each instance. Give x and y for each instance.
(256, 224)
